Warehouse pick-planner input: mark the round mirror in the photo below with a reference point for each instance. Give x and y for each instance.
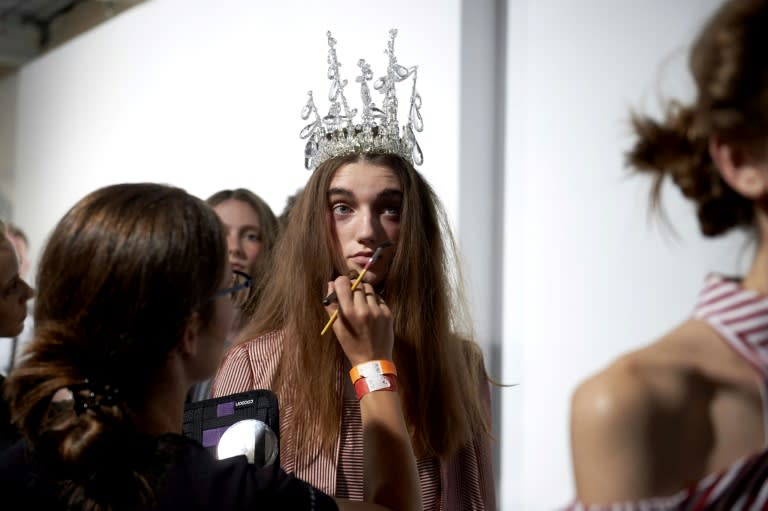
(252, 438)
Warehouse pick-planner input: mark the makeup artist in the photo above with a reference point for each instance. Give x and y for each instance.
(154, 291)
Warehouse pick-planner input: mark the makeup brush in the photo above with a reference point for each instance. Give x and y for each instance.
(331, 297)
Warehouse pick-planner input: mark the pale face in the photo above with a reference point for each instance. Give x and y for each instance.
(243, 234)
(365, 201)
(14, 292)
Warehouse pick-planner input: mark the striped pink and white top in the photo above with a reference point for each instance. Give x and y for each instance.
(463, 482)
(740, 317)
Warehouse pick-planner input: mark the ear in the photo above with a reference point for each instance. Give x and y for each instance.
(189, 340)
(747, 175)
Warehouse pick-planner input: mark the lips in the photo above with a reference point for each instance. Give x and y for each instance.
(362, 260)
(237, 266)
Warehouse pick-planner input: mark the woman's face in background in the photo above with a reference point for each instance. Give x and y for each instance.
(243, 228)
(14, 292)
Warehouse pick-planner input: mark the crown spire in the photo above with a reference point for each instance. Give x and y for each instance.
(337, 134)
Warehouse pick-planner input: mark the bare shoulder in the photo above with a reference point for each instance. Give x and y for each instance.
(661, 374)
(616, 396)
(621, 416)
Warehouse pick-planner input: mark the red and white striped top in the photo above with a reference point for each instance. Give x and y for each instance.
(464, 482)
(740, 316)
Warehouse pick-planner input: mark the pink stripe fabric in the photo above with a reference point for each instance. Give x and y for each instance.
(740, 317)
(462, 483)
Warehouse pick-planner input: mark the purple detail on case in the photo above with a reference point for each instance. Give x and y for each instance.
(223, 409)
(211, 437)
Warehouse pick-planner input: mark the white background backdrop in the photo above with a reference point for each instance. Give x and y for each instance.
(525, 106)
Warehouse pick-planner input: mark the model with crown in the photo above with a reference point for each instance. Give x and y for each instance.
(368, 244)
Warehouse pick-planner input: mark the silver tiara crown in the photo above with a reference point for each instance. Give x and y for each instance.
(337, 134)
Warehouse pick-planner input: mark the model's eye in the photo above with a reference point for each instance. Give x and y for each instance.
(341, 209)
(391, 208)
(252, 236)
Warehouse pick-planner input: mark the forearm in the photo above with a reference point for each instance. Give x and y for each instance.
(390, 472)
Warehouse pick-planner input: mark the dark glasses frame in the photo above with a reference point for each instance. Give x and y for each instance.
(247, 283)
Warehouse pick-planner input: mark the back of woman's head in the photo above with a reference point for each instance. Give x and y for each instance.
(121, 275)
(731, 74)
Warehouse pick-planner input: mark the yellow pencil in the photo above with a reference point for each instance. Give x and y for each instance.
(356, 283)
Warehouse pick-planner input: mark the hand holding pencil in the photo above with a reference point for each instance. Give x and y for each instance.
(333, 296)
(364, 328)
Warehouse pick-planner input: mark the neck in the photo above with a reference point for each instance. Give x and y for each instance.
(163, 411)
(238, 324)
(757, 277)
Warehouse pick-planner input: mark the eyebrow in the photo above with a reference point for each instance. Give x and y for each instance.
(244, 227)
(387, 193)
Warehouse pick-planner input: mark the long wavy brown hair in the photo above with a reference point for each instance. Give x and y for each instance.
(120, 277)
(729, 66)
(438, 368)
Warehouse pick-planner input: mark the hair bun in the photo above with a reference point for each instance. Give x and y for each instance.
(675, 148)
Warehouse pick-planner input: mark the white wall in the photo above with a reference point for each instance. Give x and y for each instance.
(8, 88)
(587, 277)
(207, 95)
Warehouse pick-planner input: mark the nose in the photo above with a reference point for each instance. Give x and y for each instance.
(368, 228)
(28, 292)
(233, 244)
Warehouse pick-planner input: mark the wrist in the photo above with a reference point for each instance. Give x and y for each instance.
(383, 382)
(372, 368)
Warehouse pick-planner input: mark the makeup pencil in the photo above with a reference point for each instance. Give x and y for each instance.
(331, 297)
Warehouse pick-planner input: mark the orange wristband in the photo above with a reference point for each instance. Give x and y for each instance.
(372, 368)
(375, 383)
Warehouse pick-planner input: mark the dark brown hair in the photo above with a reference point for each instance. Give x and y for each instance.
(285, 215)
(120, 277)
(730, 70)
(438, 369)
